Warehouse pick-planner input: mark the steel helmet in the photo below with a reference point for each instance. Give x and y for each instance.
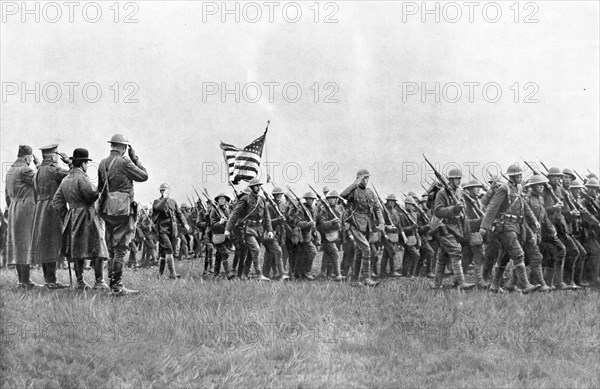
(332, 194)
(183, 206)
(576, 184)
(592, 183)
(362, 172)
(455, 173)
(254, 182)
(277, 190)
(222, 195)
(246, 190)
(309, 195)
(536, 179)
(472, 184)
(326, 189)
(410, 200)
(120, 139)
(514, 170)
(591, 175)
(554, 171)
(391, 197)
(569, 172)
(164, 186)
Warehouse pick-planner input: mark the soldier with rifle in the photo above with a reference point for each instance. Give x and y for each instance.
(426, 253)
(412, 241)
(219, 215)
(592, 244)
(329, 222)
(391, 242)
(505, 218)
(365, 211)
(303, 217)
(274, 252)
(473, 250)
(452, 231)
(252, 214)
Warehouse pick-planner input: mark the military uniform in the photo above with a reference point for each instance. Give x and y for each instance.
(224, 246)
(330, 227)
(363, 207)
(166, 215)
(250, 210)
(20, 199)
(472, 251)
(412, 245)
(306, 249)
(508, 212)
(273, 260)
(117, 174)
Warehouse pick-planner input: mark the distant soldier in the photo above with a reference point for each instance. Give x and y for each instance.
(83, 230)
(20, 199)
(184, 235)
(391, 239)
(365, 211)
(47, 226)
(165, 215)
(330, 226)
(552, 249)
(116, 175)
(452, 233)
(223, 244)
(251, 211)
(507, 213)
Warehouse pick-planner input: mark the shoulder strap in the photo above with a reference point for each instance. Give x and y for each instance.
(106, 187)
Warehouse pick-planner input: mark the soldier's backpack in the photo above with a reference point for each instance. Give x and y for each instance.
(115, 203)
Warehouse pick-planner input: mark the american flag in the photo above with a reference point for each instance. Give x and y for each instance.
(243, 164)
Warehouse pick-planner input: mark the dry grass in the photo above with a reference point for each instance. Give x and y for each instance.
(193, 333)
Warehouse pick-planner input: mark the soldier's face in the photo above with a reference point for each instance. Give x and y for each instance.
(277, 197)
(475, 191)
(517, 178)
(539, 189)
(222, 201)
(364, 181)
(567, 181)
(455, 182)
(592, 191)
(332, 201)
(575, 192)
(309, 202)
(554, 180)
(255, 189)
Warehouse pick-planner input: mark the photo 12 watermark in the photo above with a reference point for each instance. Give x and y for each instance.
(470, 12)
(90, 12)
(469, 92)
(270, 92)
(70, 92)
(326, 12)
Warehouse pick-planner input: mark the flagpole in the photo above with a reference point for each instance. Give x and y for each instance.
(266, 154)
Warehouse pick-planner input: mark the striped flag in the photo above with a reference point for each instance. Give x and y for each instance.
(243, 164)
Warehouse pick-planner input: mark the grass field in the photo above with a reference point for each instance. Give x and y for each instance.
(194, 333)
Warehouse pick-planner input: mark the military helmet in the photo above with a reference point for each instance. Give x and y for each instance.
(120, 139)
(277, 190)
(164, 186)
(309, 195)
(326, 189)
(254, 182)
(569, 172)
(592, 183)
(455, 173)
(391, 197)
(591, 175)
(222, 195)
(332, 194)
(362, 172)
(183, 206)
(536, 179)
(493, 179)
(514, 170)
(410, 200)
(554, 171)
(472, 184)
(576, 184)
(246, 190)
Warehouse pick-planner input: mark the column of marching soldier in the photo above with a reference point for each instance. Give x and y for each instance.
(547, 228)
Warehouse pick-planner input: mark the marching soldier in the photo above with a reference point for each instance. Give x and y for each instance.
(592, 244)
(272, 260)
(557, 212)
(223, 244)
(426, 252)
(585, 236)
(184, 235)
(507, 212)
(330, 226)
(116, 175)
(83, 230)
(20, 199)
(165, 215)
(391, 239)
(47, 228)
(363, 208)
(552, 248)
(412, 245)
(307, 251)
(452, 232)
(251, 211)
(473, 250)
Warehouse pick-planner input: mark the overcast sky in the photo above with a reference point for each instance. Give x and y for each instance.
(373, 58)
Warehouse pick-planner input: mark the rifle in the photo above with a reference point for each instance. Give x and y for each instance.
(544, 166)
(306, 211)
(579, 175)
(212, 204)
(272, 202)
(589, 171)
(200, 200)
(423, 186)
(548, 187)
(325, 203)
(480, 182)
(387, 213)
(473, 205)
(234, 190)
(451, 195)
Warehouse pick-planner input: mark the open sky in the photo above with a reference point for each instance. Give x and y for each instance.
(361, 77)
